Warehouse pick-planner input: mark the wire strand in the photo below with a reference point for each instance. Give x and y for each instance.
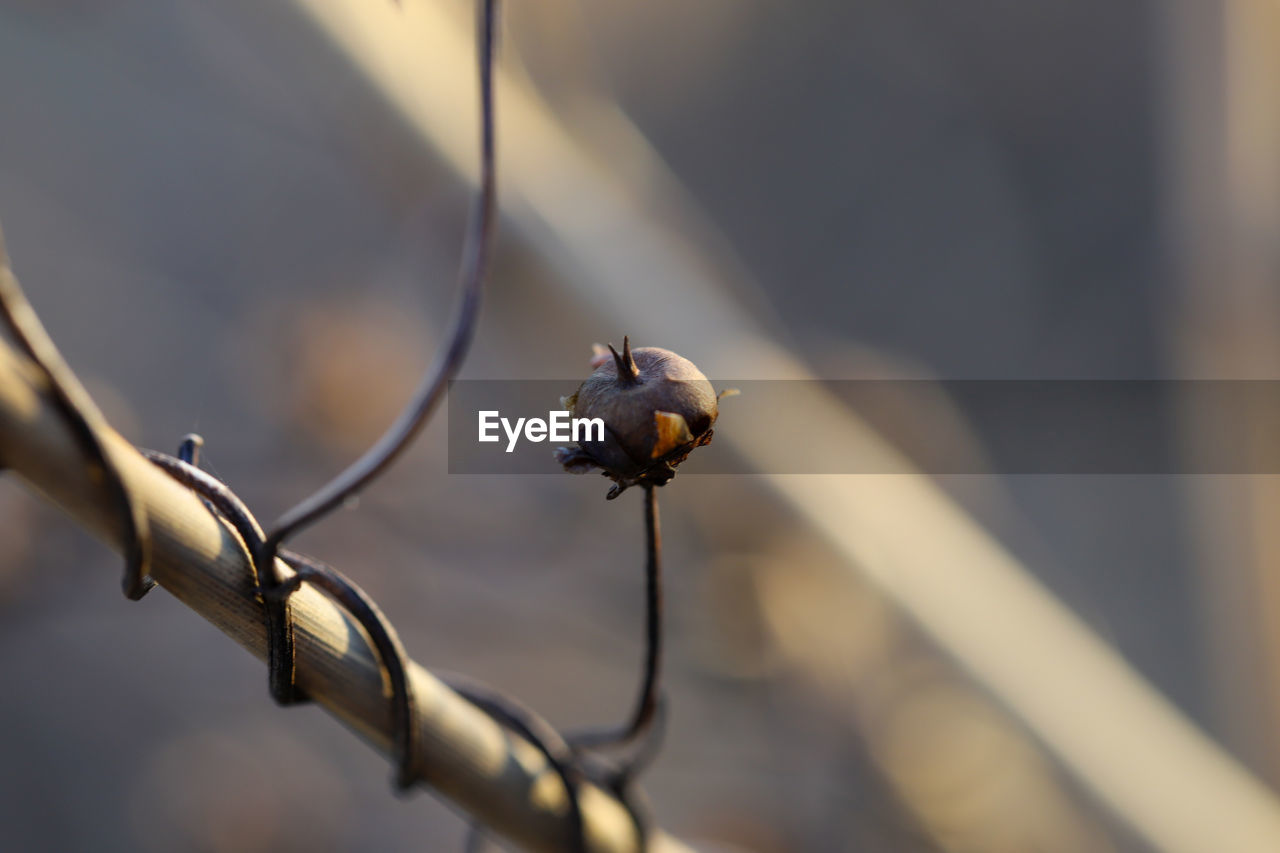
(472, 274)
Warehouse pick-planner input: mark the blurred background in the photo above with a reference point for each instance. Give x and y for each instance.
(244, 220)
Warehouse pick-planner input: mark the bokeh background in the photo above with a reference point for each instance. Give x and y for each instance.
(243, 219)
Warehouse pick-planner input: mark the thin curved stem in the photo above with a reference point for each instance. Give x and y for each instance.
(647, 702)
(475, 262)
(646, 705)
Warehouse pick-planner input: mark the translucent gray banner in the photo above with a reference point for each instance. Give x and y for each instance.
(943, 428)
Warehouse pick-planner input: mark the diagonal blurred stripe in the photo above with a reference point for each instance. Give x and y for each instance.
(605, 235)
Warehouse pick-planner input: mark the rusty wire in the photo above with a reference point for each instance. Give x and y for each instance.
(274, 585)
(199, 557)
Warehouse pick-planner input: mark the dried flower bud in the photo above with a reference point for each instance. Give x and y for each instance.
(656, 408)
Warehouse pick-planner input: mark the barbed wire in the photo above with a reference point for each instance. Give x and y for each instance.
(201, 557)
(276, 575)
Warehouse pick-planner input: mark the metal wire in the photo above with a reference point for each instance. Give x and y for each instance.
(274, 587)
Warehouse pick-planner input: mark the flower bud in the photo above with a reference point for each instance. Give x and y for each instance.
(656, 407)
